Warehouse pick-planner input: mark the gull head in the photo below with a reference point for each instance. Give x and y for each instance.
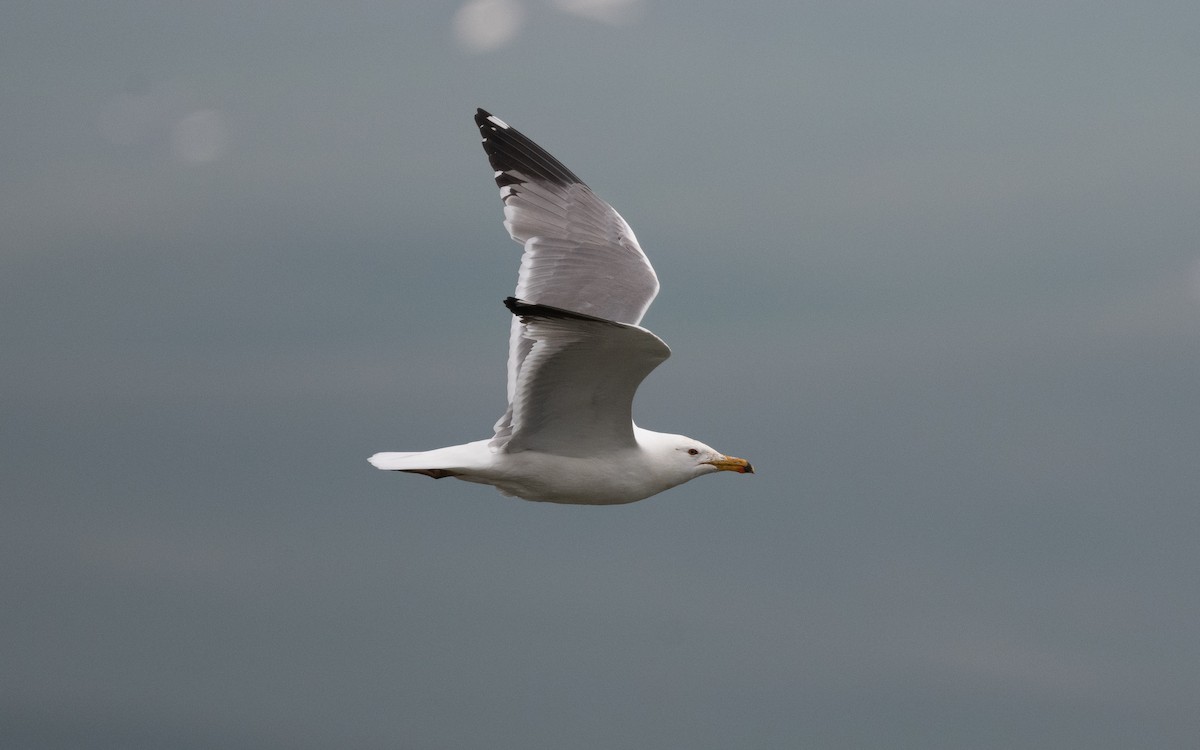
(681, 458)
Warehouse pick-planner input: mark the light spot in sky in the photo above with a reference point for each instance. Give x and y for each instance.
(487, 25)
(166, 114)
(606, 11)
(200, 137)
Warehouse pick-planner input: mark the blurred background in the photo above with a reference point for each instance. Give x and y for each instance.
(932, 266)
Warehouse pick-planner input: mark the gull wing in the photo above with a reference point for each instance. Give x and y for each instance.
(574, 393)
(580, 255)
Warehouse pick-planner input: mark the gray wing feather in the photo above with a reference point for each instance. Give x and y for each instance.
(580, 255)
(574, 394)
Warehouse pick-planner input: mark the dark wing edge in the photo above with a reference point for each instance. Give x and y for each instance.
(509, 151)
(523, 309)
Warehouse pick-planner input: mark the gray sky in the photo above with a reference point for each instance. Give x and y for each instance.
(933, 267)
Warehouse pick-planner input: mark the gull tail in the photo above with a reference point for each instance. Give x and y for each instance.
(443, 462)
(414, 463)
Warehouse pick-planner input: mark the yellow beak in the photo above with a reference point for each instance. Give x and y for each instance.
(729, 463)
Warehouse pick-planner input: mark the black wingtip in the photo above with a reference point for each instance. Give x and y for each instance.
(511, 151)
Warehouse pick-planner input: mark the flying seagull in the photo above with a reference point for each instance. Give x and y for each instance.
(576, 352)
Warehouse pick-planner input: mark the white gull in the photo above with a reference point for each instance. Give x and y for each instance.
(576, 351)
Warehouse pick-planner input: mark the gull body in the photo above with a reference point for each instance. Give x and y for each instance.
(576, 351)
(658, 462)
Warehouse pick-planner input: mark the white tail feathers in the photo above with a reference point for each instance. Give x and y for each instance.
(393, 461)
(454, 460)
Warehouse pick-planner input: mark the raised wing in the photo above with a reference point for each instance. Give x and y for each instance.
(574, 394)
(580, 255)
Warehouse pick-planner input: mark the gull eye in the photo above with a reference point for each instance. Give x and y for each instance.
(693, 452)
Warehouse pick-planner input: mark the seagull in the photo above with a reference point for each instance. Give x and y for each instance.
(576, 352)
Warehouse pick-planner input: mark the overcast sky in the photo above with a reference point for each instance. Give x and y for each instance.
(934, 267)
